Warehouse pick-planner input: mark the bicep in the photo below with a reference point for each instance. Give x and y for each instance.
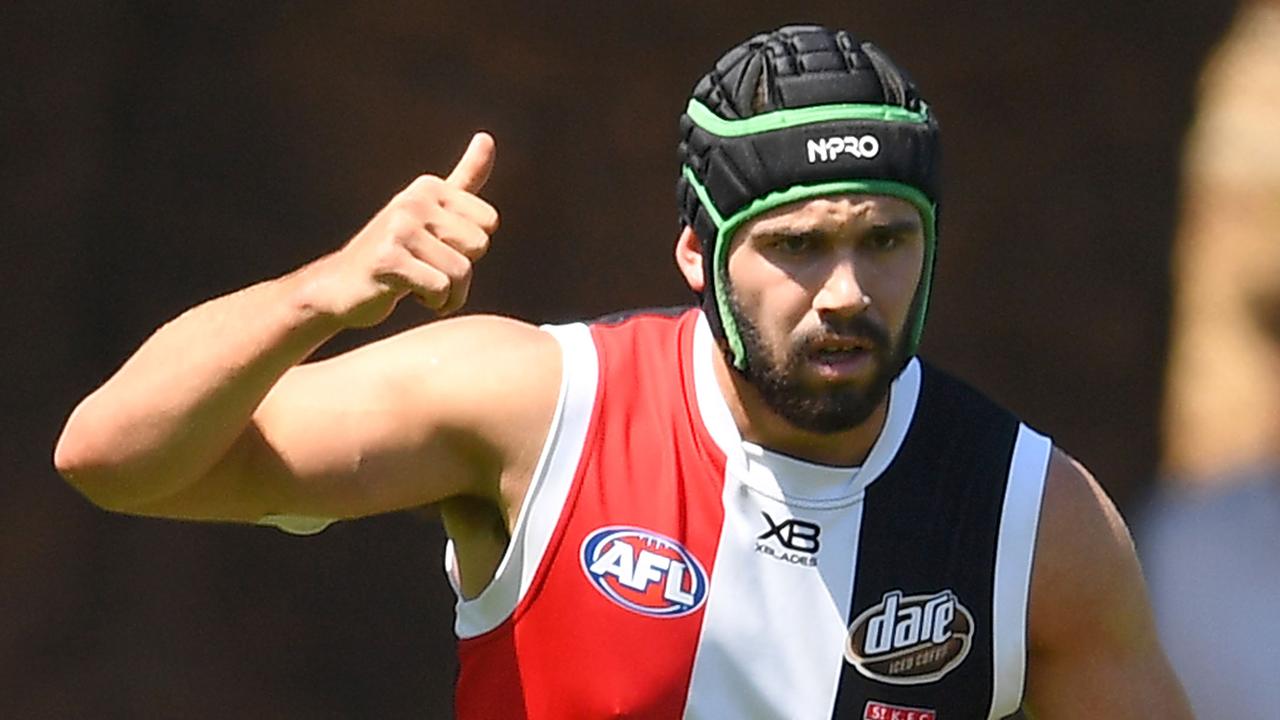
(1093, 645)
(1134, 680)
(407, 421)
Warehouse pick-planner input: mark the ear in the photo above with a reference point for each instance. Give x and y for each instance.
(689, 259)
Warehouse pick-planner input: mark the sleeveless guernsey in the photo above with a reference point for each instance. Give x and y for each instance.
(661, 567)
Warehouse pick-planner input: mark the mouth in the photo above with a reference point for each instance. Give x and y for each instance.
(842, 358)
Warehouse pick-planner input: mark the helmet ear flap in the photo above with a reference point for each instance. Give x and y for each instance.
(708, 299)
(695, 150)
(695, 216)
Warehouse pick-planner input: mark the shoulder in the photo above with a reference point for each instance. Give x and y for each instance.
(467, 348)
(479, 333)
(1085, 579)
(491, 366)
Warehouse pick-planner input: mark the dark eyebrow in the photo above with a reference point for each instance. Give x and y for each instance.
(785, 233)
(897, 227)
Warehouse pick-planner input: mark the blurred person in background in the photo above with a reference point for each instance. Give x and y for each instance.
(1210, 540)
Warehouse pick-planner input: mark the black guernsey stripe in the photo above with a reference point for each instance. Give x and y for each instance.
(930, 524)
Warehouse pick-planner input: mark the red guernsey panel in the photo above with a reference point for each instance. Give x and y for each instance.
(611, 622)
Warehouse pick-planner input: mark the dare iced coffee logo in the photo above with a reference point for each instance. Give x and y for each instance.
(910, 640)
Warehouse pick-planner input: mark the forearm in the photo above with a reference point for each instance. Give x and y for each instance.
(174, 408)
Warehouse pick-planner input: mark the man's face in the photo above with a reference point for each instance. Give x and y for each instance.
(821, 291)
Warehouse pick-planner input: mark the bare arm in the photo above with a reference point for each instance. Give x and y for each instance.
(213, 417)
(1093, 646)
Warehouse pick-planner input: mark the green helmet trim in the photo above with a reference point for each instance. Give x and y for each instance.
(794, 117)
(726, 227)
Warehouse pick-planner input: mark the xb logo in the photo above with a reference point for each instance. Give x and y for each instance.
(798, 535)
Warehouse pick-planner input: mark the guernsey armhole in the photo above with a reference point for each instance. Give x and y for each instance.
(548, 490)
(296, 524)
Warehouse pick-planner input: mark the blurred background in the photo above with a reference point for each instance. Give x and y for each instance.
(157, 154)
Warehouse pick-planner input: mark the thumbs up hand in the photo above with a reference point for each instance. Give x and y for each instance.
(423, 243)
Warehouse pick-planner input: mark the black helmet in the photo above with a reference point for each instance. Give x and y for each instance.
(796, 113)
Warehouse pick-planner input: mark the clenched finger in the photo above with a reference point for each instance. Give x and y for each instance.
(409, 274)
(460, 234)
(473, 208)
(439, 255)
(459, 289)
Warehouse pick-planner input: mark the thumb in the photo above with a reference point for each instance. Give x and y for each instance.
(473, 169)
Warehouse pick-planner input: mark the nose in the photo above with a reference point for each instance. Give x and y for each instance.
(840, 292)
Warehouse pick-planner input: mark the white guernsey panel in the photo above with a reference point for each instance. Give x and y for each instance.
(1015, 550)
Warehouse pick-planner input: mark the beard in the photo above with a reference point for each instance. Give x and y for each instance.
(824, 408)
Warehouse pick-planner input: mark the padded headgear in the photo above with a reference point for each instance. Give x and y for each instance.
(793, 114)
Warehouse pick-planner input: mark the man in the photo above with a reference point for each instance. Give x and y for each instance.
(763, 508)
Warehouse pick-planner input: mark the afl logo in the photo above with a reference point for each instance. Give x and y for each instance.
(643, 571)
(910, 640)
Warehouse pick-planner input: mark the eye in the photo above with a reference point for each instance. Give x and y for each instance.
(793, 244)
(883, 240)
